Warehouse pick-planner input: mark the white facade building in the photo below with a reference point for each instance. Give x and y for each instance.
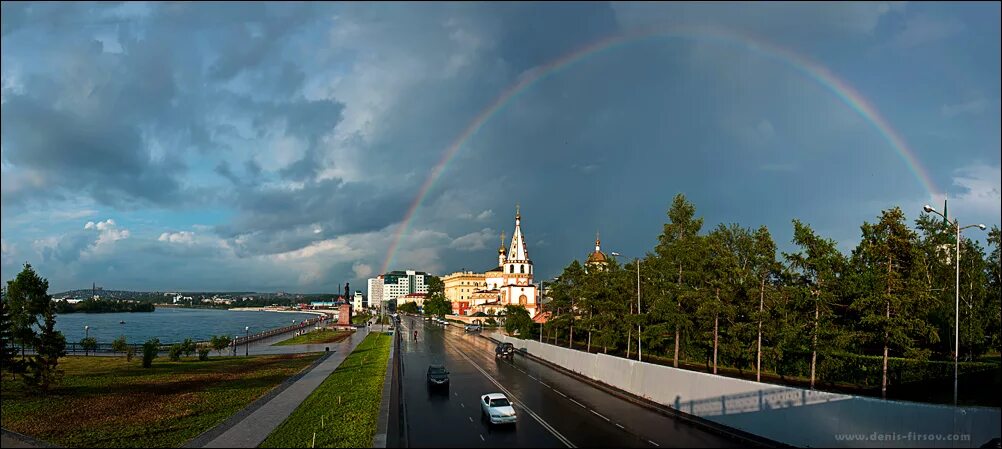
(395, 284)
(357, 301)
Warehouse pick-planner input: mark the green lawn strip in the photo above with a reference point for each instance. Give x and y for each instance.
(108, 402)
(316, 337)
(346, 403)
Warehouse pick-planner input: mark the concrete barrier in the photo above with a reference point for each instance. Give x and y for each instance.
(789, 415)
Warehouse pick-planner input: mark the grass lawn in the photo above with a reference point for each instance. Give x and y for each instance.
(314, 337)
(347, 402)
(108, 402)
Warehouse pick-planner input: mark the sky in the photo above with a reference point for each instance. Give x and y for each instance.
(280, 146)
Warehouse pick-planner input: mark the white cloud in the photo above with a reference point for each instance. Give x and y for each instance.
(182, 237)
(108, 234)
(473, 241)
(362, 270)
(485, 215)
(982, 195)
(974, 107)
(7, 251)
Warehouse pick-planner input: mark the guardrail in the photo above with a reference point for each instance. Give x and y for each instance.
(271, 333)
(106, 348)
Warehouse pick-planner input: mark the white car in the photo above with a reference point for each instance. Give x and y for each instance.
(497, 407)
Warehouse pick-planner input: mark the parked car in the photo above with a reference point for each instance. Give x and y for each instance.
(504, 350)
(497, 408)
(472, 328)
(438, 376)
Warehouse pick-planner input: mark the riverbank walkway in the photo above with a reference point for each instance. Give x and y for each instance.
(252, 429)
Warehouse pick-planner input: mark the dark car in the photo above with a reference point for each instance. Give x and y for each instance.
(438, 376)
(504, 350)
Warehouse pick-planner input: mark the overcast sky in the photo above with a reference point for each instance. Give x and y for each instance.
(278, 146)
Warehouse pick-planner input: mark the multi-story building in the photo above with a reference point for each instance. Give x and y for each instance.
(375, 291)
(400, 283)
(358, 301)
(416, 298)
(392, 285)
(459, 286)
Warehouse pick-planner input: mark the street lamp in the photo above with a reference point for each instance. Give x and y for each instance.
(86, 335)
(956, 331)
(639, 351)
(247, 340)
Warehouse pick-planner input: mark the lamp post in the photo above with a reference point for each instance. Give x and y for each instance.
(639, 351)
(247, 340)
(956, 331)
(86, 336)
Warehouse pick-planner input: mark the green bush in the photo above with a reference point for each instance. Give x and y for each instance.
(88, 344)
(119, 345)
(129, 352)
(220, 342)
(174, 354)
(150, 349)
(188, 347)
(203, 353)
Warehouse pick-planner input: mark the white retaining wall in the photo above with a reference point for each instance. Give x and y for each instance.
(789, 415)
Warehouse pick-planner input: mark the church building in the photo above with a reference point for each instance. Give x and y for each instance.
(508, 283)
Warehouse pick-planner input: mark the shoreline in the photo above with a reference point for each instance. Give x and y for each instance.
(266, 309)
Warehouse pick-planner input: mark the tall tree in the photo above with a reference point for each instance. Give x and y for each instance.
(28, 298)
(517, 321)
(435, 285)
(888, 264)
(995, 290)
(817, 268)
(563, 294)
(720, 266)
(765, 268)
(49, 347)
(7, 353)
(676, 268)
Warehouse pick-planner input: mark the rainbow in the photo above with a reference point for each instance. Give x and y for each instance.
(800, 63)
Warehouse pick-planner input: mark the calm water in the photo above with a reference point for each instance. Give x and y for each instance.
(171, 325)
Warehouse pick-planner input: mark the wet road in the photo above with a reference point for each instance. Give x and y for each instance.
(554, 410)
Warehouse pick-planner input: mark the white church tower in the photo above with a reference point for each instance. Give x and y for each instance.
(517, 286)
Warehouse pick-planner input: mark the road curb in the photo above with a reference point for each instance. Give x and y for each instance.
(379, 439)
(744, 437)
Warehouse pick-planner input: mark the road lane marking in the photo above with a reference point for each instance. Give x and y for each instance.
(576, 402)
(544, 384)
(532, 377)
(482, 437)
(470, 418)
(462, 405)
(655, 444)
(560, 393)
(599, 415)
(620, 426)
(533, 414)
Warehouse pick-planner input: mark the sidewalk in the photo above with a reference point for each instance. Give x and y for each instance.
(252, 430)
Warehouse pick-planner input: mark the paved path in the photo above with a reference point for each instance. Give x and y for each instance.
(253, 429)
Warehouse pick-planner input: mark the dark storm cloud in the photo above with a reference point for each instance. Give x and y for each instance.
(84, 153)
(275, 220)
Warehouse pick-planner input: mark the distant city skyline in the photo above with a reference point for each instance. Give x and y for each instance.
(295, 147)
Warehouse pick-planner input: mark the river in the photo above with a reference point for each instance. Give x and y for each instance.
(172, 325)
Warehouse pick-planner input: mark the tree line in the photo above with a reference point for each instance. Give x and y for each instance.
(726, 297)
(103, 306)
